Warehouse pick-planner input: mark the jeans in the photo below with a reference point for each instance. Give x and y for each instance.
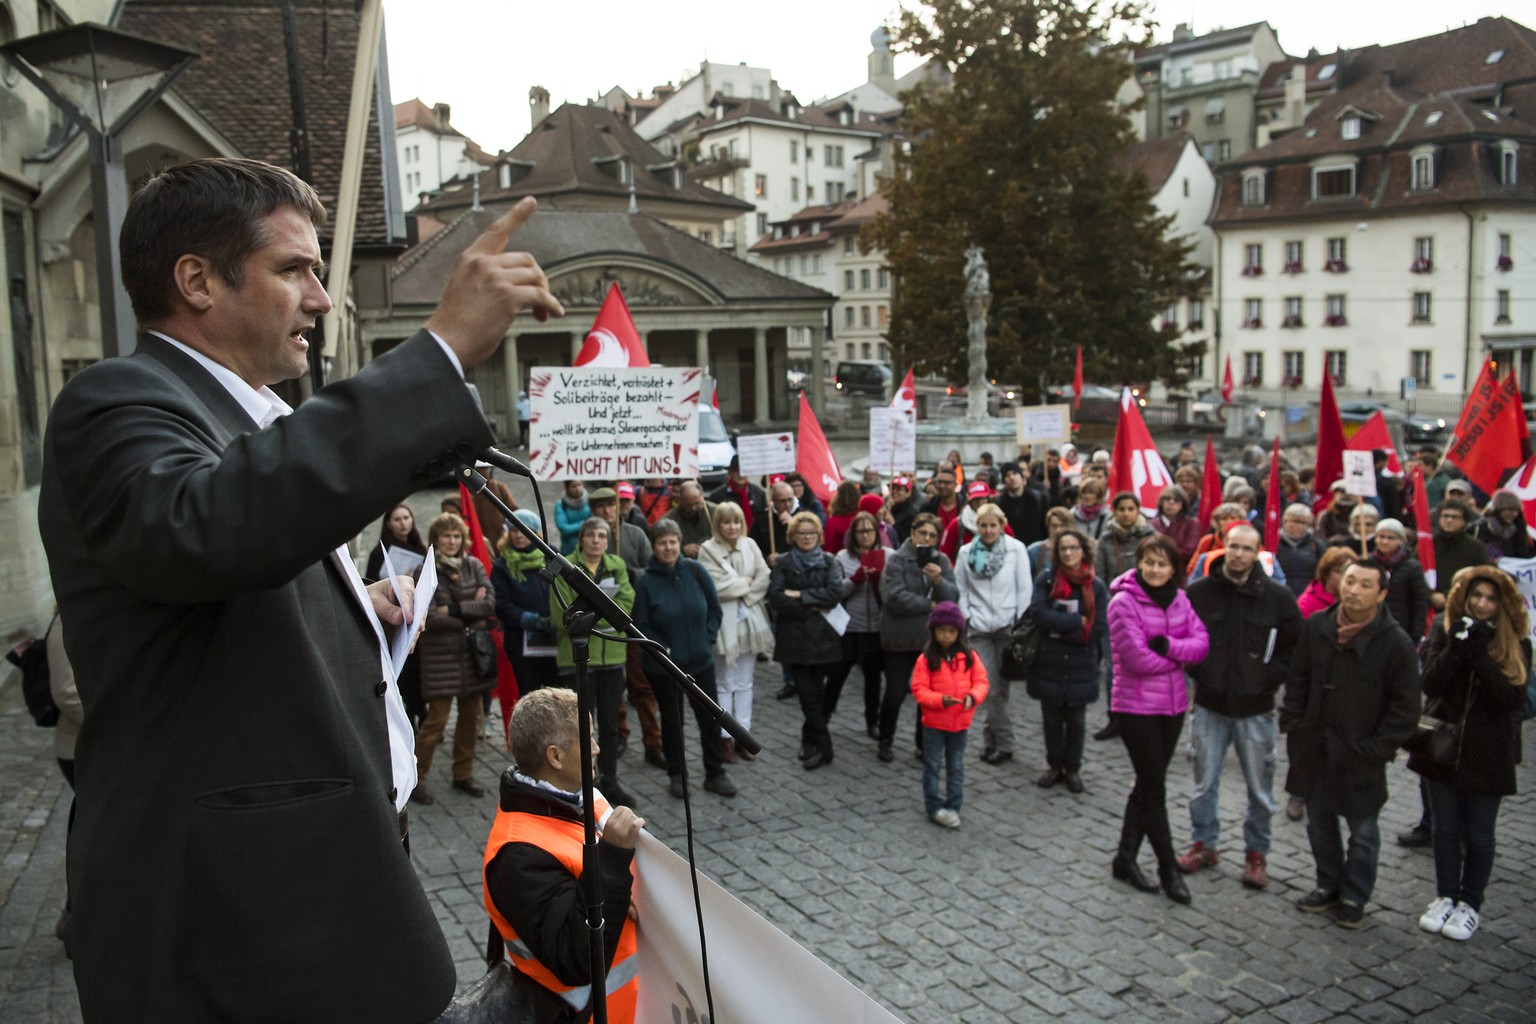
(670, 699)
(1150, 740)
(898, 690)
(1463, 843)
(734, 681)
(1254, 738)
(1352, 876)
(998, 733)
(1064, 731)
(946, 749)
(863, 650)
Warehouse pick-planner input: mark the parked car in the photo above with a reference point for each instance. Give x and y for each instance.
(863, 377)
(716, 449)
(1001, 398)
(1421, 429)
(1100, 404)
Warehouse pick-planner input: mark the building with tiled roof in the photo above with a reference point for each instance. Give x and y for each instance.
(1392, 235)
(1205, 85)
(431, 150)
(693, 304)
(586, 157)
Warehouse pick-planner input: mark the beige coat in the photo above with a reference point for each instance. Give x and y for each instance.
(741, 580)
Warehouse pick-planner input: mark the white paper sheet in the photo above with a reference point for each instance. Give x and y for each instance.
(405, 636)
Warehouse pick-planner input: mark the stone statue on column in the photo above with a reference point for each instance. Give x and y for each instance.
(978, 298)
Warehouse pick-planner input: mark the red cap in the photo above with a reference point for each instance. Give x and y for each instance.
(902, 481)
(871, 503)
(979, 489)
(626, 490)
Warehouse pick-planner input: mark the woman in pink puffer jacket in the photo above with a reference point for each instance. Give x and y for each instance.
(1154, 634)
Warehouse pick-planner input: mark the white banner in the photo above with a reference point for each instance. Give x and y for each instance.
(763, 454)
(892, 439)
(1044, 424)
(1524, 572)
(1360, 474)
(758, 974)
(610, 423)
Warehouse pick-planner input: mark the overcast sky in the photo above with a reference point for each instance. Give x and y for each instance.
(482, 56)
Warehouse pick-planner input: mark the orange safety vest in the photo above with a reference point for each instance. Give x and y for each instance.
(562, 839)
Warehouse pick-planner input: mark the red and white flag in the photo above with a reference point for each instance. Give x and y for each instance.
(1226, 381)
(1330, 446)
(1488, 438)
(1210, 485)
(613, 340)
(1523, 484)
(813, 456)
(1272, 502)
(1423, 527)
(905, 398)
(1135, 463)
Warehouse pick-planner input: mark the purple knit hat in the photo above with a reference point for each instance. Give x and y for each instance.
(946, 613)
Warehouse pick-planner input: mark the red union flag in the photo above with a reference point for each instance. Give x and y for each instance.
(1210, 485)
(1523, 484)
(1488, 436)
(905, 398)
(1483, 388)
(1374, 435)
(613, 340)
(1135, 463)
(1077, 381)
(1423, 526)
(1272, 502)
(1330, 446)
(1226, 381)
(813, 458)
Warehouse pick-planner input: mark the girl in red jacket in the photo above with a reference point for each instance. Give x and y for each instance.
(948, 681)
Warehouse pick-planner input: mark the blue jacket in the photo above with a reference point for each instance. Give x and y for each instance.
(568, 521)
(1066, 671)
(518, 603)
(677, 605)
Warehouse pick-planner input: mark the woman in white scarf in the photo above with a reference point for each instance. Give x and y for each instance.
(740, 573)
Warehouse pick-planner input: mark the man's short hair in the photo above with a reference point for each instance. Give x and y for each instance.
(211, 208)
(544, 718)
(1383, 575)
(1245, 527)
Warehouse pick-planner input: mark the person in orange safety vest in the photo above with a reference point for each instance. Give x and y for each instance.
(533, 863)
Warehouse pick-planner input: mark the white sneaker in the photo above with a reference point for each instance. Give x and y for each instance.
(1462, 924)
(1434, 918)
(954, 819)
(945, 817)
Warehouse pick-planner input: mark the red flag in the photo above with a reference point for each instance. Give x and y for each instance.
(1077, 381)
(1330, 443)
(613, 340)
(1483, 389)
(1525, 428)
(1272, 502)
(506, 679)
(813, 457)
(1523, 484)
(1423, 527)
(1490, 445)
(1210, 485)
(905, 398)
(1374, 435)
(1226, 382)
(1135, 463)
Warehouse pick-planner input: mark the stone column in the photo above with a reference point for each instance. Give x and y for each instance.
(818, 386)
(701, 349)
(576, 340)
(760, 378)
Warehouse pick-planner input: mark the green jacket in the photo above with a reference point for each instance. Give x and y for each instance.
(604, 653)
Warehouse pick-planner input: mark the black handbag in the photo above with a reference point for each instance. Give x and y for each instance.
(1023, 647)
(1438, 739)
(483, 647)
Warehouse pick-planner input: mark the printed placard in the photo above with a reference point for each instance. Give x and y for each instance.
(1044, 424)
(765, 454)
(892, 439)
(611, 423)
(1360, 474)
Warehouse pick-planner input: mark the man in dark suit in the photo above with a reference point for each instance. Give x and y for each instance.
(246, 760)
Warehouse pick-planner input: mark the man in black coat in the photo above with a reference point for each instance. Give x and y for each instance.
(1253, 623)
(1351, 700)
(246, 758)
(1024, 502)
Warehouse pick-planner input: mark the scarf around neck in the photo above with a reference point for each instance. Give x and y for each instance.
(1082, 578)
(520, 563)
(1161, 596)
(806, 559)
(987, 562)
(1349, 630)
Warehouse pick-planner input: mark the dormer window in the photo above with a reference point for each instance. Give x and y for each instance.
(1422, 169)
(504, 175)
(1333, 181)
(1506, 151)
(1350, 128)
(1253, 188)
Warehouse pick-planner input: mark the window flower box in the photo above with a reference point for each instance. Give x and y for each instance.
(1506, 263)
(1338, 379)
(1293, 381)
(1336, 267)
(1421, 266)
(1294, 320)
(1251, 324)
(1335, 320)
(1252, 381)
(1253, 271)
(1293, 267)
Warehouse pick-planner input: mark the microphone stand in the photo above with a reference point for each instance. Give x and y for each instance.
(581, 616)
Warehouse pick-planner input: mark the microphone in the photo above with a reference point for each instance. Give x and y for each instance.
(502, 461)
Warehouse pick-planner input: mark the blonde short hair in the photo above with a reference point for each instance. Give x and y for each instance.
(545, 718)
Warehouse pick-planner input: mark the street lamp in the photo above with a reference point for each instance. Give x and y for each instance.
(86, 71)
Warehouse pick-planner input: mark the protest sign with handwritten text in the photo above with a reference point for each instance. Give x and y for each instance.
(609, 423)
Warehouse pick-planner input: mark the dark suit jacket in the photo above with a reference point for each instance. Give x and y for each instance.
(236, 854)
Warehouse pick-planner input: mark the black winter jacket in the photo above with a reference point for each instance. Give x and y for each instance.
(1066, 671)
(1347, 710)
(801, 633)
(1407, 596)
(1253, 628)
(1471, 688)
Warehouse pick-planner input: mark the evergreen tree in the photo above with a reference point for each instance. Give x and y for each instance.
(1024, 155)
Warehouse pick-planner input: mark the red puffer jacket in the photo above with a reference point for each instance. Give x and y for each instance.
(951, 679)
(1148, 683)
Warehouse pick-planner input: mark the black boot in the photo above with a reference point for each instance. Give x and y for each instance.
(1127, 870)
(1124, 868)
(1173, 883)
(1110, 731)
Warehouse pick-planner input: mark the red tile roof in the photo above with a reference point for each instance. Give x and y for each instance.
(1155, 158)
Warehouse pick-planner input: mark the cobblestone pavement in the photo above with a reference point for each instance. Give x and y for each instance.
(1013, 917)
